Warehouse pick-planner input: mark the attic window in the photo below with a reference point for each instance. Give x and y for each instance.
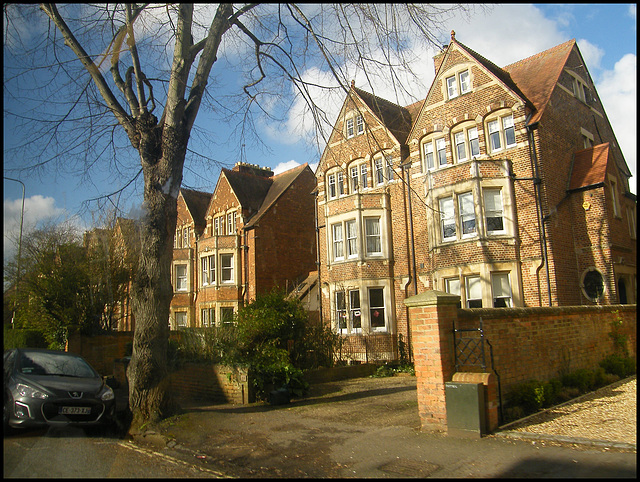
(458, 84)
(354, 126)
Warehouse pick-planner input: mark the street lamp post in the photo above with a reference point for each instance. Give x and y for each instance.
(15, 301)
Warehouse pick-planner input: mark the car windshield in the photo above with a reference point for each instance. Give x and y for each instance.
(41, 363)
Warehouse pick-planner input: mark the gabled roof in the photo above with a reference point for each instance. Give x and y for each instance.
(589, 167)
(279, 184)
(394, 117)
(248, 188)
(537, 76)
(197, 203)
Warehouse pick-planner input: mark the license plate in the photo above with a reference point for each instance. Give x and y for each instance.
(75, 410)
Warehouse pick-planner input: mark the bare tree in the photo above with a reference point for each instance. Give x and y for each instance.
(129, 72)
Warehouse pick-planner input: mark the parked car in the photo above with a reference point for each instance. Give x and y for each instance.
(46, 387)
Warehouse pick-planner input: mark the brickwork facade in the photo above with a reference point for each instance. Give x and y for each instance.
(481, 190)
(254, 233)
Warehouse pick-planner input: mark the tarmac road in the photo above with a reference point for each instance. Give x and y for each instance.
(367, 427)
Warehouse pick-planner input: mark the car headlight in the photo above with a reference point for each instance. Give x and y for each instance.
(30, 392)
(107, 394)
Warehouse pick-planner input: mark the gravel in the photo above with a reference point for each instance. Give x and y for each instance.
(607, 414)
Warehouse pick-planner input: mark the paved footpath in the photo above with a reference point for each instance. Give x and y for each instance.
(363, 428)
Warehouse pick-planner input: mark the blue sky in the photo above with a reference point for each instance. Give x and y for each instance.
(606, 35)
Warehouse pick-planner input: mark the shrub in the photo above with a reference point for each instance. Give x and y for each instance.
(528, 395)
(22, 338)
(582, 379)
(619, 365)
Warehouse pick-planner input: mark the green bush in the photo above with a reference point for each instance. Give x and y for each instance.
(619, 365)
(582, 379)
(22, 338)
(528, 395)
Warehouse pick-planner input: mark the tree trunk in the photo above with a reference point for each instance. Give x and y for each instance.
(162, 154)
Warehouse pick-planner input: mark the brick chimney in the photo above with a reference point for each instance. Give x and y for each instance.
(253, 169)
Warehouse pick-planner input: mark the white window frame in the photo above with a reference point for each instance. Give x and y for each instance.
(390, 171)
(227, 271)
(373, 309)
(350, 128)
(473, 291)
(452, 286)
(500, 129)
(354, 176)
(460, 144)
(428, 155)
(364, 175)
(458, 84)
(231, 223)
(373, 237)
(452, 87)
(182, 280)
(501, 290)
(340, 183)
(359, 125)
(378, 168)
(351, 234)
(204, 267)
(467, 213)
(492, 210)
(465, 85)
(447, 218)
(332, 190)
(441, 151)
(337, 241)
(340, 310)
(355, 311)
(182, 319)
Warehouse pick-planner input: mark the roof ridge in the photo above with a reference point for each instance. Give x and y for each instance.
(540, 54)
(376, 97)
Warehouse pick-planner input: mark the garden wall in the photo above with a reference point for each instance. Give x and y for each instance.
(528, 343)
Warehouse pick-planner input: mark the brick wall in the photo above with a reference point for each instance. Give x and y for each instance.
(528, 343)
(212, 383)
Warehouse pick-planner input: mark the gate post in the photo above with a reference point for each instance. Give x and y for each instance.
(432, 315)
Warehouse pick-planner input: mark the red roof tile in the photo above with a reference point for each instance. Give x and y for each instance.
(589, 167)
(537, 76)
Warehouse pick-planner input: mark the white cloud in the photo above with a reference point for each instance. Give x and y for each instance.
(37, 209)
(592, 54)
(285, 166)
(617, 91)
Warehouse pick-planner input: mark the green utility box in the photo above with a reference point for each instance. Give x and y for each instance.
(465, 409)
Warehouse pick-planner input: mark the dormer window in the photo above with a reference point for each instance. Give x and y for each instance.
(458, 84)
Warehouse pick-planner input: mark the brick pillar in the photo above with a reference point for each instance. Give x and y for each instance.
(431, 315)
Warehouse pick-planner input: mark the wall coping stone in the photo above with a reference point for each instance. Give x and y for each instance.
(520, 312)
(432, 298)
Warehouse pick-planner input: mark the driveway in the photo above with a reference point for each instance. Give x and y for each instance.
(366, 427)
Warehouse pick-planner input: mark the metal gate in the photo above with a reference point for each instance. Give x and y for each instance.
(468, 351)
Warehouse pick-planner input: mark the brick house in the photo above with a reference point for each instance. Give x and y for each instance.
(255, 232)
(505, 186)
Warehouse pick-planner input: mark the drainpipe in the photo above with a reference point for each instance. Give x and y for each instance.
(412, 277)
(315, 193)
(537, 181)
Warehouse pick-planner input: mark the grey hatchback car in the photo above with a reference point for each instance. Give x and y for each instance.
(46, 387)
